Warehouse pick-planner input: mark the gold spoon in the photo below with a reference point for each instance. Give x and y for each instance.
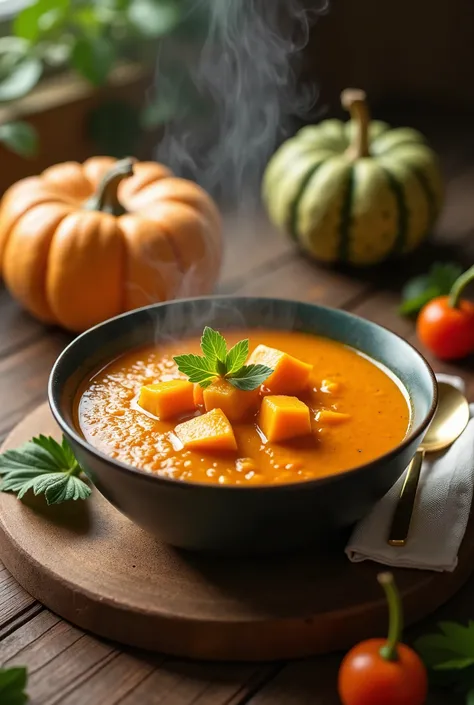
(449, 421)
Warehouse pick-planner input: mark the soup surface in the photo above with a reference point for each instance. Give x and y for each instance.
(376, 415)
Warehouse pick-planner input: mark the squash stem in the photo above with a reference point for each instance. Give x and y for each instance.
(106, 198)
(354, 100)
(395, 617)
(459, 285)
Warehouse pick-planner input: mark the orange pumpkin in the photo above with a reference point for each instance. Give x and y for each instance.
(81, 243)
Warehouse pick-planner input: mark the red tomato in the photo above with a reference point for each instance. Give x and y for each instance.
(366, 678)
(446, 330)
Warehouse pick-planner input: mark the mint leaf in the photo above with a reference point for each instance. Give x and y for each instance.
(237, 356)
(45, 467)
(213, 345)
(250, 377)
(197, 369)
(12, 685)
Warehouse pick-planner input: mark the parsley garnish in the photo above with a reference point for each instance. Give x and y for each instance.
(46, 467)
(12, 686)
(217, 362)
(449, 654)
(420, 290)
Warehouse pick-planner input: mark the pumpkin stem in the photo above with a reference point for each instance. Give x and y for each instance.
(459, 285)
(106, 198)
(354, 100)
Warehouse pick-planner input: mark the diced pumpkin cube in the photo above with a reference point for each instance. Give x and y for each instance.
(235, 403)
(289, 375)
(282, 418)
(198, 396)
(167, 399)
(331, 418)
(209, 432)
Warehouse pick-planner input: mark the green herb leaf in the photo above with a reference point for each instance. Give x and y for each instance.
(154, 18)
(450, 649)
(250, 377)
(213, 345)
(19, 71)
(237, 356)
(40, 17)
(19, 137)
(422, 289)
(12, 685)
(93, 58)
(45, 467)
(217, 362)
(198, 369)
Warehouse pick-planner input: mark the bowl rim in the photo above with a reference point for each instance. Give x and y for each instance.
(204, 486)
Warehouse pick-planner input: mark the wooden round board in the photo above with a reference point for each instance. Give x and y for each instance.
(93, 567)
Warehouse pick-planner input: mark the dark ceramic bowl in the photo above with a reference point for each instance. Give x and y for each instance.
(236, 519)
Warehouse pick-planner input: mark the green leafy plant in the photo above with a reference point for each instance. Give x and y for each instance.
(12, 686)
(45, 467)
(217, 362)
(420, 290)
(449, 654)
(91, 37)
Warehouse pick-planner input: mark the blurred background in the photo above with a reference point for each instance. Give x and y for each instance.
(114, 76)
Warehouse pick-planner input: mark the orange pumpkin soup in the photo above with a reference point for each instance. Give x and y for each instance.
(326, 408)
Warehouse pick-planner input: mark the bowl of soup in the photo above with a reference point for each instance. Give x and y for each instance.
(292, 458)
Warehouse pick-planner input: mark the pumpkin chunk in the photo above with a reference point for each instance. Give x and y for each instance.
(167, 399)
(282, 418)
(235, 403)
(198, 396)
(331, 418)
(289, 375)
(209, 432)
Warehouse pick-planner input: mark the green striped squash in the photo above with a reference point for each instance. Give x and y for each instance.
(357, 192)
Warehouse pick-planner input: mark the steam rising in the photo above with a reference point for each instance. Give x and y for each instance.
(246, 69)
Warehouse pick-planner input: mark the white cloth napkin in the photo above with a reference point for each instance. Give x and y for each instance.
(440, 515)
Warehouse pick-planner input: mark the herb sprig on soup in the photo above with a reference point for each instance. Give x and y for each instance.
(254, 407)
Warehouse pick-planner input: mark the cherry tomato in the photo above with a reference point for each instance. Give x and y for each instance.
(384, 671)
(447, 330)
(366, 678)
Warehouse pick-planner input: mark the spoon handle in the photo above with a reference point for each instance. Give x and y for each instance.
(404, 510)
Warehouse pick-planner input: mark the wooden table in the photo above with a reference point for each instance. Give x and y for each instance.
(70, 667)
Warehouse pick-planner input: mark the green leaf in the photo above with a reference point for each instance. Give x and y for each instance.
(452, 648)
(237, 356)
(422, 289)
(19, 137)
(470, 697)
(70, 488)
(250, 377)
(93, 58)
(40, 17)
(213, 345)
(43, 466)
(12, 685)
(18, 75)
(155, 18)
(455, 664)
(197, 369)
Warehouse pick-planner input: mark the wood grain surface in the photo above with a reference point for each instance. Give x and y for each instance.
(92, 566)
(70, 667)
